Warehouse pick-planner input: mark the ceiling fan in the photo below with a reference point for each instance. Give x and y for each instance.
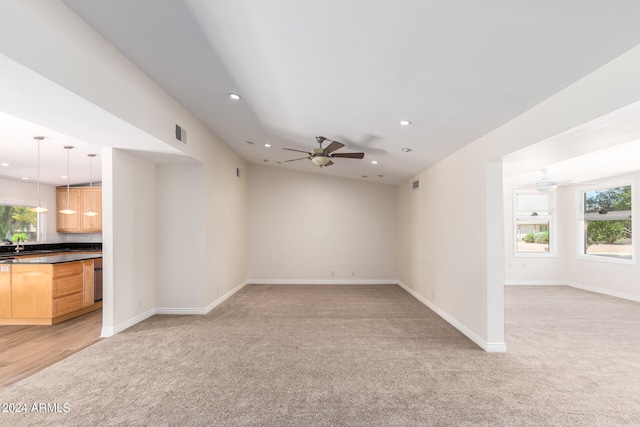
(546, 184)
(321, 157)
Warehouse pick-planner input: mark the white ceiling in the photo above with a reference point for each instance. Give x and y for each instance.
(351, 70)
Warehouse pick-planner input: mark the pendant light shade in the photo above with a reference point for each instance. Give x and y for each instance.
(68, 210)
(91, 211)
(39, 208)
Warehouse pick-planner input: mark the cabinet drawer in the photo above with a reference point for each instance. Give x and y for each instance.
(67, 269)
(67, 285)
(67, 304)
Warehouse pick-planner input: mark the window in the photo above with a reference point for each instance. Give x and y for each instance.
(18, 222)
(534, 224)
(607, 222)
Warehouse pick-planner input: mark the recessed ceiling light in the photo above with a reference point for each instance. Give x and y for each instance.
(5, 164)
(279, 163)
(25, 178)
(64, 177)
(267, 145)
(374, 162)
(250, 142)
(265, 160)
(380, 175)
(405, 122)
(364, 176)
(407, 150)
(234, 96)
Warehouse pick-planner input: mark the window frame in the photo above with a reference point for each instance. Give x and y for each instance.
(581, 224)
(550, 218)
(41, 219)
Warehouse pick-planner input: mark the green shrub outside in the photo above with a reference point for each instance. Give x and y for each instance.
(541, 237)
(22, 236)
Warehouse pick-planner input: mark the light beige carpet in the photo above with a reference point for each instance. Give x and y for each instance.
(353, 356)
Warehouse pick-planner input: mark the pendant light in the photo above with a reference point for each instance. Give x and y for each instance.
(68, 211)
(91, 212)
(39, 208)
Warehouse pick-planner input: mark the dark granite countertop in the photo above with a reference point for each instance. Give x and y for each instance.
(51, 259)
(42, 248)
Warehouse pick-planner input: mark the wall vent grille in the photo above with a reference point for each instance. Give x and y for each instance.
(416, 184)
(181, 134)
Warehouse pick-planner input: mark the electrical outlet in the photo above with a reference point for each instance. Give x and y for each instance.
(333, 273)
(217, 289)
(433, 294)
(353, 273)
(139, 303)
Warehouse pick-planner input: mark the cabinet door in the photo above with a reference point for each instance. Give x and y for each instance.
(67, 222)
(91, 199)
(31, 291)
(5, 291)
(87, 277)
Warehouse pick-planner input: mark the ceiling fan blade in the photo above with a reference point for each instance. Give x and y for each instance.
(299, 151)
(349, 155)
(301, 158)
(335, 145)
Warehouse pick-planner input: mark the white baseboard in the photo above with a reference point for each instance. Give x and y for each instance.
(225, 297)
(533, 282)
(603, 291)
(109, 332)
(321, 282)
(204, 310)
(489, 347)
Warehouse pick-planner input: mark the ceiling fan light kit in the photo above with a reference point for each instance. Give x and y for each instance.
(322, 157)
(546, 187)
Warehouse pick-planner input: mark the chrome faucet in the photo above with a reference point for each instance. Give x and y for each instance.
(19, 245)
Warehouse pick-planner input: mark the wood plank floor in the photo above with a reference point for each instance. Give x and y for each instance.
(24, 350)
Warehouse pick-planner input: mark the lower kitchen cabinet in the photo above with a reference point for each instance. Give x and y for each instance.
(5, 291)
(46, 294)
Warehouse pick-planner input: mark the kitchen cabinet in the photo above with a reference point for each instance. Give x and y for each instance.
(31, 292)
(79, 199)
(46, 294)
(88, 283)
(5, 291)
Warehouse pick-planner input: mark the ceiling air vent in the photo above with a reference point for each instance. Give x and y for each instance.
(415, 184)
(181, 134)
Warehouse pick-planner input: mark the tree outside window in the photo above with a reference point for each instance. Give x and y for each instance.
(18, 222)
(608, 222)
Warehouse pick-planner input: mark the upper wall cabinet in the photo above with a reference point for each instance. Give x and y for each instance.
(79, 199)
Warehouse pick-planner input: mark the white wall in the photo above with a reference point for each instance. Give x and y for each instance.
(48, 38)
(531, 270)
(180, 242)
(129, 199)
(447, 243)
(622, 280)
(594, 274)
(304, 226)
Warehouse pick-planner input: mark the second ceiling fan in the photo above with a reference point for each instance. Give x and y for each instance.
(321, 157)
